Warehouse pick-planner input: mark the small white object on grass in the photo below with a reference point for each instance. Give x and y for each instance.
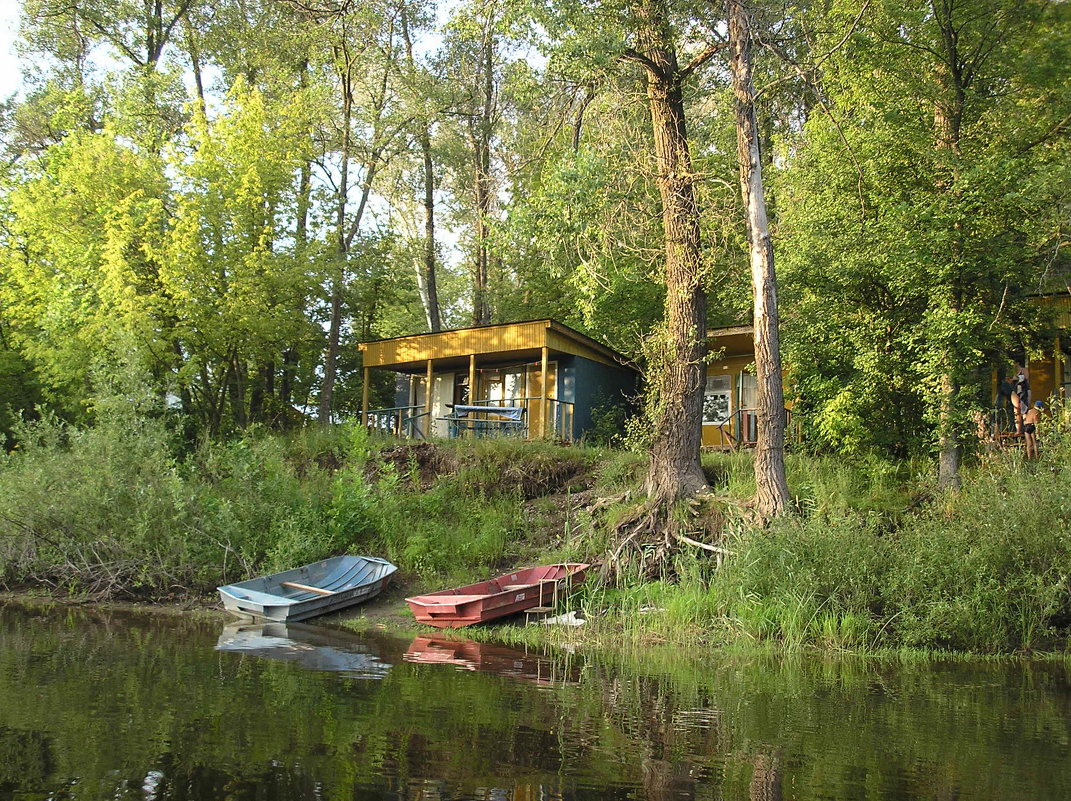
(568, 619)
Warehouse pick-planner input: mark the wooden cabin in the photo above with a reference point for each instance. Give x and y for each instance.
(731, 394)
(1050, 370)
(534, 379)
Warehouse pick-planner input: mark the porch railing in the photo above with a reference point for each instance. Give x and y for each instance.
(542, 417)
(399, 421)
(555, 422)
(741, 430)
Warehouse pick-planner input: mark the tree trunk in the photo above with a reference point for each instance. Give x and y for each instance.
(286, 382)
(334, 336)
(765, 779)
(948, 118)
(430, 287)
(238, 377)
(678, 370)
(948, 443)
(345, 235)
(338, 281)
(481, 314)
(427, 284)
(195, 63)
(481, 129)
(771, 488)
(578, 122)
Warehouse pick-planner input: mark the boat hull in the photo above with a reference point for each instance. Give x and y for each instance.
(315, 589)
(508, 594)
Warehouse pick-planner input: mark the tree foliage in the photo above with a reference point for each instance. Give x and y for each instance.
(236, 193)
(920, 211)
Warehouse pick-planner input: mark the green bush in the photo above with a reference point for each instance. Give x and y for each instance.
(990, 568)
(109, 510)
(987, 569)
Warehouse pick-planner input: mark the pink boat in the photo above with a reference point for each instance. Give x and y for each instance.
(521, 590)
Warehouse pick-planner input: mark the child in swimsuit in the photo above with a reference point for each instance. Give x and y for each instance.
(1030, 428)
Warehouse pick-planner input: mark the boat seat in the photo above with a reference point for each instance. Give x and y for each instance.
(257, 597)
(452, 600)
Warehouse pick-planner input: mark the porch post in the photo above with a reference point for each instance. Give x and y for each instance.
(544, 359)
(427, 402)
(1058, 370)
(364, 400)
(410, 401)
(472, 379)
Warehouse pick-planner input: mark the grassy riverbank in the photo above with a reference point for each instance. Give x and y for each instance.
(874, 559)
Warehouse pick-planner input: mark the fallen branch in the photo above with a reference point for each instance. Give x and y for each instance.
(712, 548)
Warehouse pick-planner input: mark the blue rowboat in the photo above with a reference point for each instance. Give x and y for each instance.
(308, 591)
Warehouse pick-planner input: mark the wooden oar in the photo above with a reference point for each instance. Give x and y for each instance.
(306, 588)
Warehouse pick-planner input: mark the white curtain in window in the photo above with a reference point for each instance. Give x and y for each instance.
(749, 392)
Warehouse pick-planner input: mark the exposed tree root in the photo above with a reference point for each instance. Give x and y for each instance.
(647, 539)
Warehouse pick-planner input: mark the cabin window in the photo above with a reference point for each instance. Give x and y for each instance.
(503, 384)
(717, 400)
(749, 391)
(461, 389)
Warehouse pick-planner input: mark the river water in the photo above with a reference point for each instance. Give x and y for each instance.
(97, 705)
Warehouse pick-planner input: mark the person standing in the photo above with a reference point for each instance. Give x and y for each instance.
(1030, 429)
(1020, 398)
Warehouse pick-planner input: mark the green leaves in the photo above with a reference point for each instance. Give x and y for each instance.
(911, 238)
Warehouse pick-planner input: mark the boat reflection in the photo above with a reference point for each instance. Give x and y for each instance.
(311, 647)
(498, 659)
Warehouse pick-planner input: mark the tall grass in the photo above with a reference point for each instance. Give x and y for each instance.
(113, 510)
(874, 558)
(987, 569)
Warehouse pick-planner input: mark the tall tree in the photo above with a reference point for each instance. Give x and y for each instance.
(474, 56)
(363, 52)
(416, 79)
(771, 487)
(679, 367)
(653, 35)
(926, 174)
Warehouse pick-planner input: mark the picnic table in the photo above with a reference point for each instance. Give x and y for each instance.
(483, 421)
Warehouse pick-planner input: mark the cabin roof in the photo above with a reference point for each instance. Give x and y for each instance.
(500, 341)
(734, 340)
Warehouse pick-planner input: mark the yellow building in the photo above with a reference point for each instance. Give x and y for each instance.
(1050, 370)
(534, 379)
(731, 394)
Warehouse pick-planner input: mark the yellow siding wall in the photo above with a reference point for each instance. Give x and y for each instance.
(1061, 307)
(1042, 378)
(733, 367)
(493, 339)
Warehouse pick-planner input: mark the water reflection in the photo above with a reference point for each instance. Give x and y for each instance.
(490, 658)
(26, 759)
(311, 647)
(103, 705)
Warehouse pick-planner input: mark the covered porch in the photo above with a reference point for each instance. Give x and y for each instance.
(522, 380)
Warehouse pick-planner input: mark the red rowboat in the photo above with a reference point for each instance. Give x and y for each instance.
(508, 594)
